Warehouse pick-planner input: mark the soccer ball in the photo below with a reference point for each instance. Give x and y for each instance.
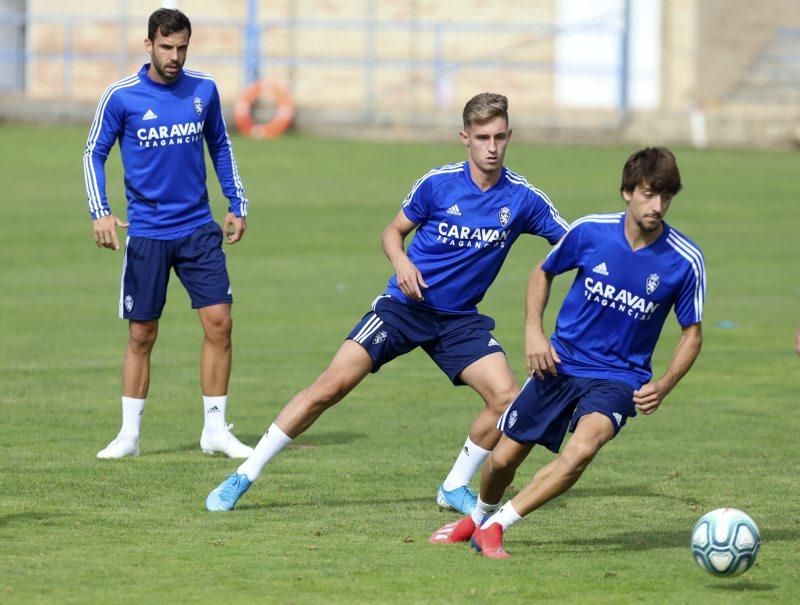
(725, 542)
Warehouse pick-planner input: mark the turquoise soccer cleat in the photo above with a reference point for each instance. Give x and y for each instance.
(225, 496)
(462, 499)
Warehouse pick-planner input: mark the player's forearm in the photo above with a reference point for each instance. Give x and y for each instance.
(536, 299)
(684, 355)
(392, 242)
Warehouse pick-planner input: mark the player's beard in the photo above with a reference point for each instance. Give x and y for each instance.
(649, 228)
(160, 69)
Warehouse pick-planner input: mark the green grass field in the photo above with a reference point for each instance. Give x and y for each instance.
(344, 515)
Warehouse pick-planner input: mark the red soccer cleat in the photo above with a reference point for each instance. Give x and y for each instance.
(489, 542)
(458, 531)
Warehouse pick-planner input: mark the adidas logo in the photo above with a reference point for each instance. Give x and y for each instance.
(493, 343)
(618, 418)
(149, 115)
(454, 210)
(601, 269)
(212, 409)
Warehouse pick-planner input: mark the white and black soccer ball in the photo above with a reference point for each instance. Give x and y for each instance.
(725, 542)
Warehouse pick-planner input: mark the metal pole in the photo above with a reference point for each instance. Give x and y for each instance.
(252, 44)
(624, 64)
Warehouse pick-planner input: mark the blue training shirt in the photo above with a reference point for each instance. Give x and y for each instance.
(612, 316)
(464, 234)
(161, 128)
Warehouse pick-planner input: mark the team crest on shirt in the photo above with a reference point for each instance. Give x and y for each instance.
(652, 282)
(128, 302)
(512, 419)
(504, 215)
(198, 105)
(379, 337)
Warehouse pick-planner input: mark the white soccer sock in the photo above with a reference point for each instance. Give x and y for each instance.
(132, 410)
(506, 517)
(466, 465)
(273, 441)
(481, 510)
(214, 419)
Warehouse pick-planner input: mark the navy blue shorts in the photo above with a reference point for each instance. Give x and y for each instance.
(198, 260)
(453, 340)
(545, 409)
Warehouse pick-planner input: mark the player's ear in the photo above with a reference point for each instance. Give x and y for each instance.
(464, 137)
(148, 46)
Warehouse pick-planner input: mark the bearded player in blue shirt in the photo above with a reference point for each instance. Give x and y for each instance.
(594, 373)
(161, 116)
(466, 216)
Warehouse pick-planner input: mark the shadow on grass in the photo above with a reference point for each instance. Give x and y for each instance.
(333, 501)
(25, 518)
(733, 585)
(327, 438)
(654, 539)
(302, 442)
(623, 491)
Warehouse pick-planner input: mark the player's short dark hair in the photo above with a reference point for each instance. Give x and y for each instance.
(484, 107)
(167, 21)
(654, 166)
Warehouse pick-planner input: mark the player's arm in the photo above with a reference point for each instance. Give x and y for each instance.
(540, 356)
(409, 279)
(220, 150)
(797, 341)
(103, 134)
(649, 396)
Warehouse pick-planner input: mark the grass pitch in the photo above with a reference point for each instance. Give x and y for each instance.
(344, 515)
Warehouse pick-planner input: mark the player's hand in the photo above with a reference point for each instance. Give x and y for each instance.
(409, 279)
(649, 396)
(234, 227)
(104, 230)
(540, 356)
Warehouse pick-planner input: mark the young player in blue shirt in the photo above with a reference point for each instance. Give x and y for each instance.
(466, 216)
(161, 116)
(594, 373)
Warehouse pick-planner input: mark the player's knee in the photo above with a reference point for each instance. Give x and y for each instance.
(219, 327)
(501, 464)
(579, 454)
(500, 398)
(142, 337)
(327, 391)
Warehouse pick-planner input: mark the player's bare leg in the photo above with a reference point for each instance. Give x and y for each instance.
(593, 432)
(350, 366)
(500, 469)
(216, 352)
(492, 378)
(135, 384)
(215, 372)
(136, 363)
(498, 473)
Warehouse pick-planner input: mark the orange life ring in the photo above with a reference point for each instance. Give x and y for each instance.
(243, 110)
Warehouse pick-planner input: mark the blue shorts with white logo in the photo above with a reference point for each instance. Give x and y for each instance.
(545, 409)
(198, 260)
(453, 340)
